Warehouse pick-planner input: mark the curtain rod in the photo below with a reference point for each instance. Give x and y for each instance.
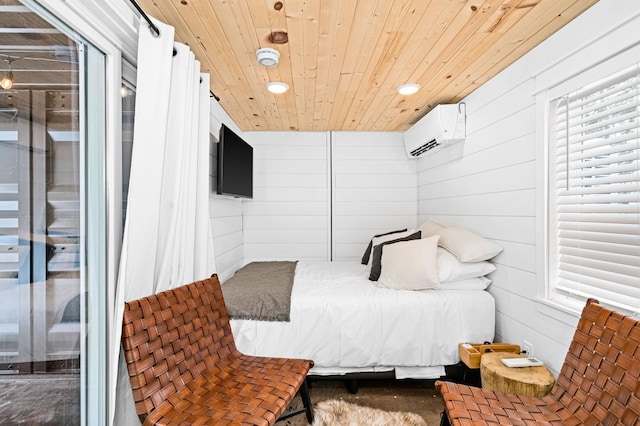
(152, 26)
(154, 29)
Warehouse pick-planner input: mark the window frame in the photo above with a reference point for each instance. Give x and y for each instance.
(600, 70)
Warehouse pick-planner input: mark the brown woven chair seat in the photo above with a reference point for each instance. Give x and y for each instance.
(468, 405)
(599, 383)
(184, 367)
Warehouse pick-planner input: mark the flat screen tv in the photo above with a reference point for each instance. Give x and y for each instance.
(235, 165)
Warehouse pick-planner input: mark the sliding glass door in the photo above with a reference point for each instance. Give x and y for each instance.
(52, 219)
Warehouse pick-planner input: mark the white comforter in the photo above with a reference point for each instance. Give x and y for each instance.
(345, 323)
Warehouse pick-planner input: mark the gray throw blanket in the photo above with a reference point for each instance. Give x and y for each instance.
(260, 291)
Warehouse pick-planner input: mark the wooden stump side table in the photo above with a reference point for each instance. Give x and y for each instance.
(524, 381)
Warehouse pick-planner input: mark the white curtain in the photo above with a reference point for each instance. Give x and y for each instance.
(167, 238)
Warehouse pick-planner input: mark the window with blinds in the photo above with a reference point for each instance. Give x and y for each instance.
(594, 192)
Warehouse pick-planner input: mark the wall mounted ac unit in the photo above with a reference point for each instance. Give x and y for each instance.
(442, 126)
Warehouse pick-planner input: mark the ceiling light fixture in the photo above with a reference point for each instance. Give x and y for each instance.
(268, 57)
(408, 89)
(277, 87)
(7, 79)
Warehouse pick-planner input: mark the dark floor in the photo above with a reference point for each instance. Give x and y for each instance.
(55, 399)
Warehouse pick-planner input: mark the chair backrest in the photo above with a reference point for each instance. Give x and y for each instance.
(599, 380)
(170, 338)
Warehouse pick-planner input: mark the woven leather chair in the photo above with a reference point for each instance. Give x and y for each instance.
(184, 367)
(599, 383)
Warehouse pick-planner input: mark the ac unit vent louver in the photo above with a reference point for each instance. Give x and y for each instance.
(424, 148)
(442, 126)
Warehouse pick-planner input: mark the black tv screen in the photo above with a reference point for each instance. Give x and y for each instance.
(235, 165)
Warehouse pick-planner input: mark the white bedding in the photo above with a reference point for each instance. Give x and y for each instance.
(346, 323)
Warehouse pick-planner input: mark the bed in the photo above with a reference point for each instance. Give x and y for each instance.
(347, 323)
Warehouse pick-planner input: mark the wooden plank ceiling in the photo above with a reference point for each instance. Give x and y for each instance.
(345, 58)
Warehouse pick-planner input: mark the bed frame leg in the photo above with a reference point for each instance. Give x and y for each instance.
(352, 386)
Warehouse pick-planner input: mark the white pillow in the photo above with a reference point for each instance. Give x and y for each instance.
(376, 255)
(477, 283)
(451, 269)
(410, 265)
(430, 228)
(468, 246)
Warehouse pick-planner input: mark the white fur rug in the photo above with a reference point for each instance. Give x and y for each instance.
(342, 413)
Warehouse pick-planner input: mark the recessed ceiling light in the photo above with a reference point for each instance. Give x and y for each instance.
(277, 87)
(408, 89)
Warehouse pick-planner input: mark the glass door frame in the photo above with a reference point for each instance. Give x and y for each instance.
(102, 136)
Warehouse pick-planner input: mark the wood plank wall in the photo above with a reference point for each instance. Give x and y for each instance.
(226, 226)
(496, 188)
(322, 195)
(288, 217)
(374, 189)
(491, 190)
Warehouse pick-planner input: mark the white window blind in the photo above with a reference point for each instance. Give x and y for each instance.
(594, 217)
